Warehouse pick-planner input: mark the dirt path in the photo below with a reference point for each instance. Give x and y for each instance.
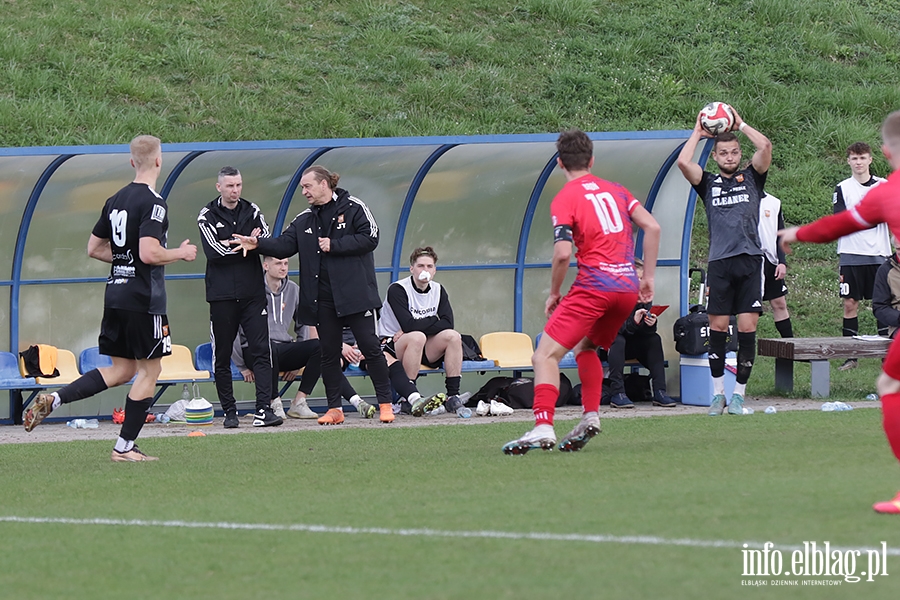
(59, 432)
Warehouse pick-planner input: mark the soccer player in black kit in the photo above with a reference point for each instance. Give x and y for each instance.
(131, 235)
(731, 198)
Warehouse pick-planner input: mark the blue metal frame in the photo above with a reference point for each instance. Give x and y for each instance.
(19, 253)
(288, 196)
(686, 233)
(403, 220)
(342, 143)
(176, 172)
(527, 220)
(320, 147)
(651, 198)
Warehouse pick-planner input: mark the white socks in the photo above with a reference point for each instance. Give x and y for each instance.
(124, 445)
(56, 401)
(719, 385)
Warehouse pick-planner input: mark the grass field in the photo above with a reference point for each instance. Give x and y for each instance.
(694, 489)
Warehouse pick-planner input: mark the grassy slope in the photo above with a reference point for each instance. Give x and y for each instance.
(814, 75)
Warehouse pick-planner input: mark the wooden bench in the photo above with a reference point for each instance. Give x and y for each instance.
(817, 351)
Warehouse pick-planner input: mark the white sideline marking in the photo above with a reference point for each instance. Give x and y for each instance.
(506, 535)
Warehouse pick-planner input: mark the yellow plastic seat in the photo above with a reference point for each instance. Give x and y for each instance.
(507, 348)
(67, 367)
(179, 366)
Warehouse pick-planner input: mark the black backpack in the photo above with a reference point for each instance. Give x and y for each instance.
(691, 333)
(518, 393)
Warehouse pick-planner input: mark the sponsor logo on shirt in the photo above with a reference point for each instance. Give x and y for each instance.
(126, 257)
(730, 200)
(158, 213)
(122, 271)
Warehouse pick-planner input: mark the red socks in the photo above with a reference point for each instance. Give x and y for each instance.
(545, 396)
(890, 413)
(590, 371)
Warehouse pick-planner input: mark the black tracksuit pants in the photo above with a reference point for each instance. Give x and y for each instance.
(331, 329)
(647, 349)
(250, 314)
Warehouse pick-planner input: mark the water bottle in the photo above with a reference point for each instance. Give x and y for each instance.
(828, 407)
(842, 406)
(770, 410)
(186, 393)
(440, 410)
(464, 397)
(747, 411)
(83, 423)
(162, 418)
(464, 412)
(872, 397)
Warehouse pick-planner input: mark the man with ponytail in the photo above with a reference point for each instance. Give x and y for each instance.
(335, 238)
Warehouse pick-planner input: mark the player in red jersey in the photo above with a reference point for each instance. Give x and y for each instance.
(880, 205)
(596, 216)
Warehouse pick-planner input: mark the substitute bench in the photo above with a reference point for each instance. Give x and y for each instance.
(817, 351)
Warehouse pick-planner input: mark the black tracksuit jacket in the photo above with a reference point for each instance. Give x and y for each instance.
(350, 263)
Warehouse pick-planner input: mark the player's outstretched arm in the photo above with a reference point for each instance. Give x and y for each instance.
(153, 253)
(691, 170)
(786, 237)
(99, 249)
(762, 158)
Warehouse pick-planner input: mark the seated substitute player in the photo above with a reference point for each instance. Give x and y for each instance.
(130, 235)
(417, 323)
(732, 199)
(596, 217)
(880, 205)
(638, 339)
(861, 253)
(289, 355)
(771, 219)
(886, 294)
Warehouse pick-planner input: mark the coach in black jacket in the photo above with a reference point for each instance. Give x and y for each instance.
(236, 295)
(335, 238)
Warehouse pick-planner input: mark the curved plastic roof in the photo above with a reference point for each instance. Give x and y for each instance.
(482, 202)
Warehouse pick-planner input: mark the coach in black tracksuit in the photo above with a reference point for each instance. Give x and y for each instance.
(335, 239)
(236, 295)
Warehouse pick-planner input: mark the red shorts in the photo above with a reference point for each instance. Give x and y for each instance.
(891, 365)
(593, 315)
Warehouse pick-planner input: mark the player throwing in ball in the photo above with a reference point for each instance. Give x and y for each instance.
(880, 205)
(595, 215)
(732, 199)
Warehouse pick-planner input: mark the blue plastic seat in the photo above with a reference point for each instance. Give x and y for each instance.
(568, 361)
(90, 359)
(203, 361)
(10, 378)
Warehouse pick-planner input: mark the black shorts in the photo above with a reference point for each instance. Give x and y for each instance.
(735, 285)
(387, 345)
(134, 335)
(772, 288)
(858, 281)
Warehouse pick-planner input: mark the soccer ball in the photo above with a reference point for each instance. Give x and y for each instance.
(716, 118)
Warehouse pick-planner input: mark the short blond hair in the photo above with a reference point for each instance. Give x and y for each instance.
(144, 150)
(890, 131)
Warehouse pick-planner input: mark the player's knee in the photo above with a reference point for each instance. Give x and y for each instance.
(415, 339)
